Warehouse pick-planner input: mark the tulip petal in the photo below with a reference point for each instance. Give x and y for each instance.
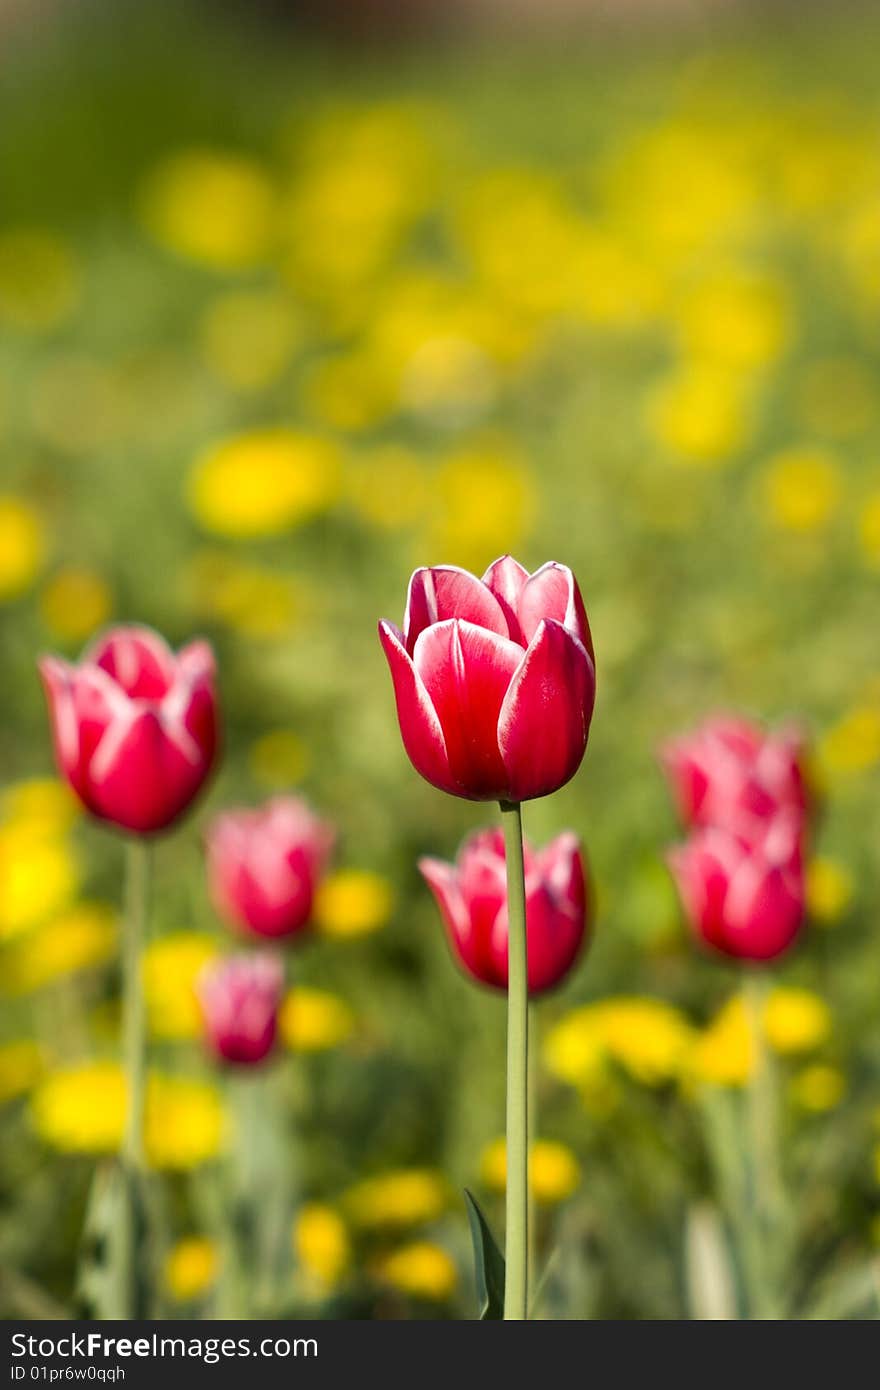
(138, 660)
(552, 592)
(561, 866)
(138, 777)
(469, 939)
(467, 671)
(506, 578)
(448, 592)
(553, 940)
(419, 725)
(545, 717)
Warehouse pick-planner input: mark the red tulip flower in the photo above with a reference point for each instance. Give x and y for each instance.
(264, 865)
(135, 726)
(745, 898)
(730, 773)
(240, 997)
(494, 679)
(472, 897)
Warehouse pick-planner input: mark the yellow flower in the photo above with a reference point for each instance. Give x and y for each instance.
(554, 1172)
(170, 968)
(420, 1270)
(484, 502)
(801, 489)
(81, 1109)
(247, 338)
(389, 488)
(739, 318)
(80, 938)
(191, 1268)
(869, 530)
(723, 1054)
(263, 483)
(211, 207)
(39, 279)
(397, 1199)
(312, 1020)
(647, 1037)
(853, 744)
(39, 876)
(701, 413)
(818, 1088)
(353, 902)
(21, 1066)
(350, 391)
(829, 890)
(43, 805)
(837, 396)
(74, 602)
(22, 546)
(796, 1020)
(278, 759)
(258, 602)
(321, 1244)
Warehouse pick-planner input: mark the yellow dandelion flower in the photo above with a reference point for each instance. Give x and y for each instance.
(43, 805)
(397, 1199)
(420, 1270)
(353, 902)
(39, 876)
(702, 413)
(836, 396)
(191, 1268)
(80, 938)
(800, 489)
(554, 1172)
(853, 744)
(263, 483)
(484, 504)
(170, 968)
(211, 207)
(818, 1088)
(321, 1244)
(81, 1109)
(388, 488)
(258, 602)
(351, 391)
(248, 337)
(830, 890)
(279, 758)
(312, 1020)
(723, 1053)
(22, 546)
(869, 530)
(737, 318)
(21, 1066)
(796, 1020)
(74, 603)
(39, 279)
(646, 1037)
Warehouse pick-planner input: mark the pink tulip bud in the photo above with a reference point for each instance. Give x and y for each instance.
(240, 998)
(264, 865)
(731, 773)
(135, 727)
(494, 679)
(745, 898)
(472, 897)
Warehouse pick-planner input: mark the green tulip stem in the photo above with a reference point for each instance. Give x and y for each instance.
(761, 1102)
(516, 1288)
(134, 1043)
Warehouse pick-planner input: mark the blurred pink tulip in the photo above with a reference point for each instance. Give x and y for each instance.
(264, 865)
(135, 727)
(240, 998)
(472, 897)
(494, 679)
(746, 898)
(730, 773)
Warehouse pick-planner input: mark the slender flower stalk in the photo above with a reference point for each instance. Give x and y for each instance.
(763, 1141)
(134, 1045)
(516, 1291)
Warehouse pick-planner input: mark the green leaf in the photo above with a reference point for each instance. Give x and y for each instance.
(488, 1262)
